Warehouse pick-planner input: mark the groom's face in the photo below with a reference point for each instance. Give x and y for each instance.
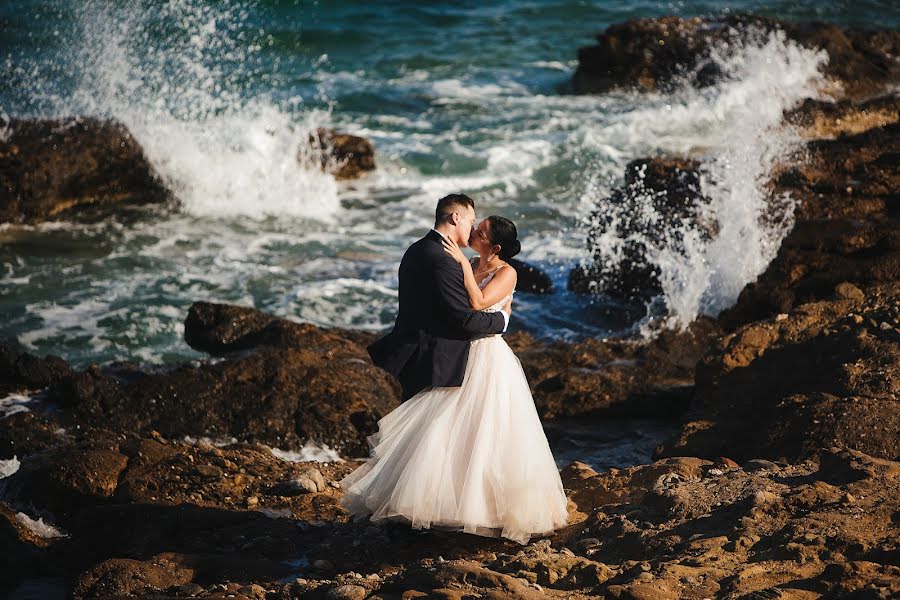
(465, 225)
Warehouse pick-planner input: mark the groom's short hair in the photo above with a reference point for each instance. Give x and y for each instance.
(448, 204)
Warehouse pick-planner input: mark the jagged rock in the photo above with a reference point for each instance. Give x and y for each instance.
(25, 433)
(301, 384)
(50, 167)
(352, 155)
(222, 328)
(657, 53)
(21, 371)
(614, 377)
(846, 230)
(827, 374)
(127, 577)
(820, 119)
(64, 480)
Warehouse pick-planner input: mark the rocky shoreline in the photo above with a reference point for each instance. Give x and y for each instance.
(783, 481)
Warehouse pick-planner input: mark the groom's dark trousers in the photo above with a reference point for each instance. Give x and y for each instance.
(429, 345)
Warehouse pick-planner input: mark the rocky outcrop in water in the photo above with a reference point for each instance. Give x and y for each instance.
(283, 384)
(348, 156)
(846, 224)
(659, 53)
(655, 206)
(50, 167)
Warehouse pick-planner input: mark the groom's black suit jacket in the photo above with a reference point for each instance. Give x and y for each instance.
(429, 345)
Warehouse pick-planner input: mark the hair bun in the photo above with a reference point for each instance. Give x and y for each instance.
(514, 248)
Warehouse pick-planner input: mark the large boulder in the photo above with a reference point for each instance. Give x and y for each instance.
(660, 200)
(291, 384)
(827, 373)
(51, 167)
(657, 53)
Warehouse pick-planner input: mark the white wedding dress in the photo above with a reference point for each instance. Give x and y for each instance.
(472, 458)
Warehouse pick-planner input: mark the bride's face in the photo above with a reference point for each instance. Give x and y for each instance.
(480, 240)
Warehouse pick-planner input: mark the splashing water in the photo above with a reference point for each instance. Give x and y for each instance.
(736, 128)
(185, 77)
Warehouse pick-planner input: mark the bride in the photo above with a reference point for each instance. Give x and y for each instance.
(472, 458)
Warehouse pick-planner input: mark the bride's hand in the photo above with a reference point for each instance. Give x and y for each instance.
(451, 248)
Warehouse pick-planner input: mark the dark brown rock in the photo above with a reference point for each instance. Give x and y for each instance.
(50, 167)
(531, 278)
(820, 119)
(64, 480)
(119, 577)
(298, 383)
(352, 155)
(25, 433)
(846, 230)
(20, 371)
(825, 374)
(222, 328)
(657, 53)
(617, 377)
(283, 397)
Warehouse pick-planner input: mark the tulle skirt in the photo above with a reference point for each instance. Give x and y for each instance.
(472, 458)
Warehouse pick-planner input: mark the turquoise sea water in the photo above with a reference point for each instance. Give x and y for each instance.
(462, 96)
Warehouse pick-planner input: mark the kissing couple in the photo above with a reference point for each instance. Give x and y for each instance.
(465, 450)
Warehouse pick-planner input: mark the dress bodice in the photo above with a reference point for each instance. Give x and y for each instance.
(496, 307)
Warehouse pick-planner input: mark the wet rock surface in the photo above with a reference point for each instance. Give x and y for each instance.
(659, 53)
(349, 156)
(50, 167)
(657, 197)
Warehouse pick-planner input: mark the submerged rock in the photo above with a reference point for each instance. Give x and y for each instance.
(50, 167)
(530, 278)
(658, 53)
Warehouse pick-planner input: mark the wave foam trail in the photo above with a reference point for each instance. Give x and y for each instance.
(179, 76)
(736, 127)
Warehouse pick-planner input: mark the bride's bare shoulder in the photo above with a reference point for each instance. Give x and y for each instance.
(507, 271)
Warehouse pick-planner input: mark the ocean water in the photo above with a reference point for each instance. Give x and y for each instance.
(462, 96)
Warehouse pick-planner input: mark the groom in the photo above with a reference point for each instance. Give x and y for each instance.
(429, 345)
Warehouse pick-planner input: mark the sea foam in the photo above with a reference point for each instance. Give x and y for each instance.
(735, 129)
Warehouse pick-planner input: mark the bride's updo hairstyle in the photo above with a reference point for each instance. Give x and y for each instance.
(504, 234)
